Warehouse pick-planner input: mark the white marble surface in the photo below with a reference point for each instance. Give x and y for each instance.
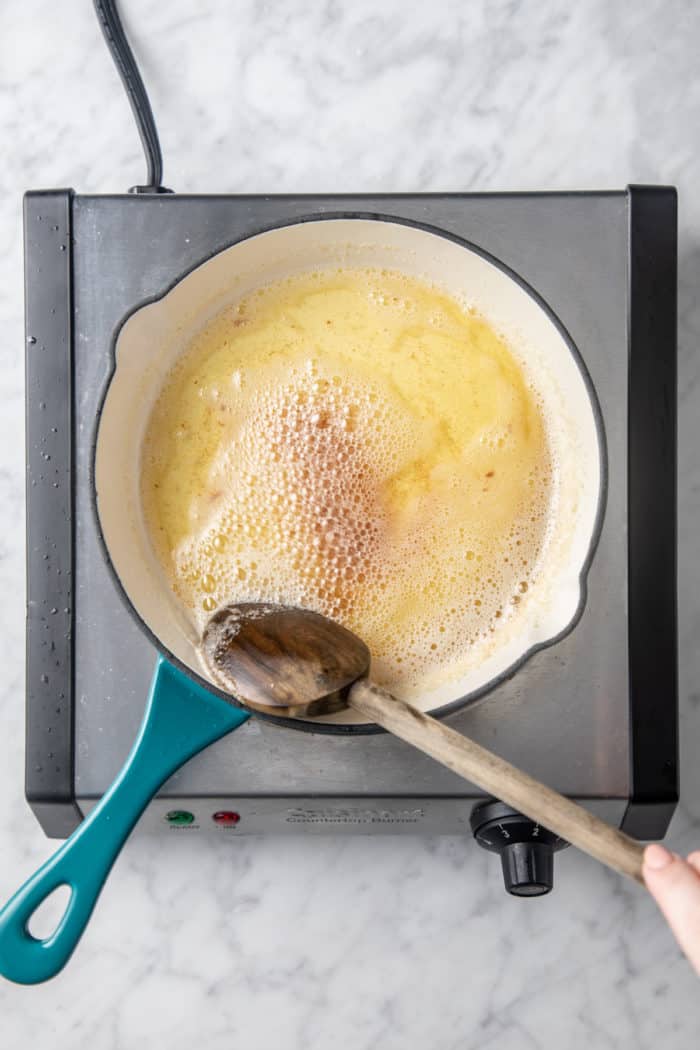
(355, 943)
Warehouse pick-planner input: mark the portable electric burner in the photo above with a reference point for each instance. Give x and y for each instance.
(594, 715)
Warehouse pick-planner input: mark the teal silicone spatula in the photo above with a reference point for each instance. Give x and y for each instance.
(181, 718)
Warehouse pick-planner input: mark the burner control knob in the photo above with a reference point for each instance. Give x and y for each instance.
(527, 849)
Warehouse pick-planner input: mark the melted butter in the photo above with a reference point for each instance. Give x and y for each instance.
(359, 444)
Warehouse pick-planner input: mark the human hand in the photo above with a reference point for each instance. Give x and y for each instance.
(674, 884)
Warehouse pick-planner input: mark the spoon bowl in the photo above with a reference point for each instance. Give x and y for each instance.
(282, 660)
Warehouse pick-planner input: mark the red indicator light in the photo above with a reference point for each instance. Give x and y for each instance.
(226, 816)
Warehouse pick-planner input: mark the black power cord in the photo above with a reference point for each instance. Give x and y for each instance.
(120, 50)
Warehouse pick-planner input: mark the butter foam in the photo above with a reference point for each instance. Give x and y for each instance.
(358, 443)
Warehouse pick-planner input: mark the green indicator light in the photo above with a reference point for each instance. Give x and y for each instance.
(179, 816)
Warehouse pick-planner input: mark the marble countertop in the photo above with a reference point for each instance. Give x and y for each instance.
(379, 942)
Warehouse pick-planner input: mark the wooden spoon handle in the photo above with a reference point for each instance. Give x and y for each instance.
(502, 780)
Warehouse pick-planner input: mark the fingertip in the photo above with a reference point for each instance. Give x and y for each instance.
(694, 860)
(675, 886)
(657, 857)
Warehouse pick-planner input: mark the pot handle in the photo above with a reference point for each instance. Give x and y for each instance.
(181, 719)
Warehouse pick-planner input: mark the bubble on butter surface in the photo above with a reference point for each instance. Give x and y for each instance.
(358, 444)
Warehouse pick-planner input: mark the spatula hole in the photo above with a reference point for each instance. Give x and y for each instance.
(45, 919)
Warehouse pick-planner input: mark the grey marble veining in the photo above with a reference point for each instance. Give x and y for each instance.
(354, 943)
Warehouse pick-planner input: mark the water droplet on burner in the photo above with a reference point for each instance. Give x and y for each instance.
(31, 339)
(63, 247)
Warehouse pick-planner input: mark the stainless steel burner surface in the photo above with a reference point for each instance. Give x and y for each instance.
(565, 716)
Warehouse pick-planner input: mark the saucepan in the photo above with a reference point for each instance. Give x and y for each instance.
(184, 711)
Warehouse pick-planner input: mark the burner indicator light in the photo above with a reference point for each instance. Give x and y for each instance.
(227, 817)
(179, 817)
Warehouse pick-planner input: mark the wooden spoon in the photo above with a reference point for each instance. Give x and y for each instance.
(296, 663)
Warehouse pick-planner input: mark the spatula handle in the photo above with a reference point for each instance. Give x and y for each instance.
(502, 780)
